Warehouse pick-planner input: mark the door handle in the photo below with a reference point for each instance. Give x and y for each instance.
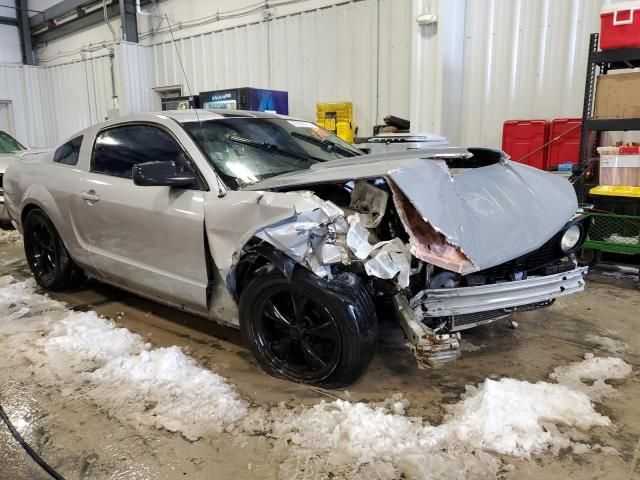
(89, 196)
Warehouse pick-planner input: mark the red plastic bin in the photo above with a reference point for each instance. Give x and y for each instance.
(620, 25)
(521, 137)
(567, 148)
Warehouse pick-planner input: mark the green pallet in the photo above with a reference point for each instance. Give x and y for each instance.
(614, 233)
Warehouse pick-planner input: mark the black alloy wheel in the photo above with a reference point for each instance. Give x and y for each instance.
(309, 330)
(298, 334)
(46, 254)
(42, 256)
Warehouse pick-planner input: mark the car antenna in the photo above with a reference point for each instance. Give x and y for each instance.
(221, 191)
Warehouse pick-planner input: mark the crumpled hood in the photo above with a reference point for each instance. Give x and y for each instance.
(492, 214)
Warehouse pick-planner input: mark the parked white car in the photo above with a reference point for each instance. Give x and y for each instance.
(10, 150)
(275, 226)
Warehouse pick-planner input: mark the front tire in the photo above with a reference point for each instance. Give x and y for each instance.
(307, 329)
(46, 254)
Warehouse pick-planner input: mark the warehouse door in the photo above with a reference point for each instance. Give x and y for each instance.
(6, 118)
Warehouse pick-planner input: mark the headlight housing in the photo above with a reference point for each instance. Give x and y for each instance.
(570, 238)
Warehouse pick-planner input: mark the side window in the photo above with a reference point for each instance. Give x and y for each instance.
(118, 149)
(68, 153)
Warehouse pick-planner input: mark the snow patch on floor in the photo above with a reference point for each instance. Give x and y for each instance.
(159, 387)
(167, 389)
(589, 376)
(621, 271)
(85, 354)
(507, 416)
(10, 236)
(85, 337)
(356, 440)
(512, 417)
(606, 343)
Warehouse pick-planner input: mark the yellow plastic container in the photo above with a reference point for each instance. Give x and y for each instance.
(337, 117)
(616, 191)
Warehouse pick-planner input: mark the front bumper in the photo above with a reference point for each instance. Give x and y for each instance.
(475, 305)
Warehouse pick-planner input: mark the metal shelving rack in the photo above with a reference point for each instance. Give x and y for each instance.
(604, 61)
(609, 232)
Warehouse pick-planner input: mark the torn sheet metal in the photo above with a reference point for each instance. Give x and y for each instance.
(492, 214)
(426, 243)
(311, 237)
(390, 260)
(297, 235)
(358, 238)
(386, 259)
(230, 221)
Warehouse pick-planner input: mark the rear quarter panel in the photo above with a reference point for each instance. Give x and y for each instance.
(39, 182)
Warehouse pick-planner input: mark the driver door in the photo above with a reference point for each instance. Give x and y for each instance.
(148, 239)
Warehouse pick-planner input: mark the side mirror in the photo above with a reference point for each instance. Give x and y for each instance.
(161, 174)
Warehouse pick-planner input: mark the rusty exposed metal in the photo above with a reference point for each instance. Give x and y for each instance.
(427, 243)
(430, 348)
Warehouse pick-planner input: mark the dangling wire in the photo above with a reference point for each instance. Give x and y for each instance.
(221, 189)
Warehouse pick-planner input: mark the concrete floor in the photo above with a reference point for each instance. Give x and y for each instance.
(81, 441)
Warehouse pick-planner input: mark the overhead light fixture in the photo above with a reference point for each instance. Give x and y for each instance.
(426, 19)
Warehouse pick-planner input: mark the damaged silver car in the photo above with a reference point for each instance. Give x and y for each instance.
(277, 227)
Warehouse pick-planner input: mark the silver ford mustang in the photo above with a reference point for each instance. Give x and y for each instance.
(273, 225)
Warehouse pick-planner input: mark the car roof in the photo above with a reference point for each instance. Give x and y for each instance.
(180, 116)
(195, 115)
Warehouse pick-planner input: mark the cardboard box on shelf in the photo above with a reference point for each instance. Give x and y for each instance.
(617, 96)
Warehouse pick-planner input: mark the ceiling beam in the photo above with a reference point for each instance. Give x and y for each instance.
(24, 29)
(82, 21)
(8, 21)
(60, 9)
(129, 21)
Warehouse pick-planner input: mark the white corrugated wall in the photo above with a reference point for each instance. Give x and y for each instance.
(523, 59)
(135, 79)
(520, 59)
(52, 103)
(79, 95)
(12, 89)
(347, 52)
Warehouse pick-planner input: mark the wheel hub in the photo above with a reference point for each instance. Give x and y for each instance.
(299, 334)
(296, 332)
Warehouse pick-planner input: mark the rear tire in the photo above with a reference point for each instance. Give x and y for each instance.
(46, 254)
(307, 329)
